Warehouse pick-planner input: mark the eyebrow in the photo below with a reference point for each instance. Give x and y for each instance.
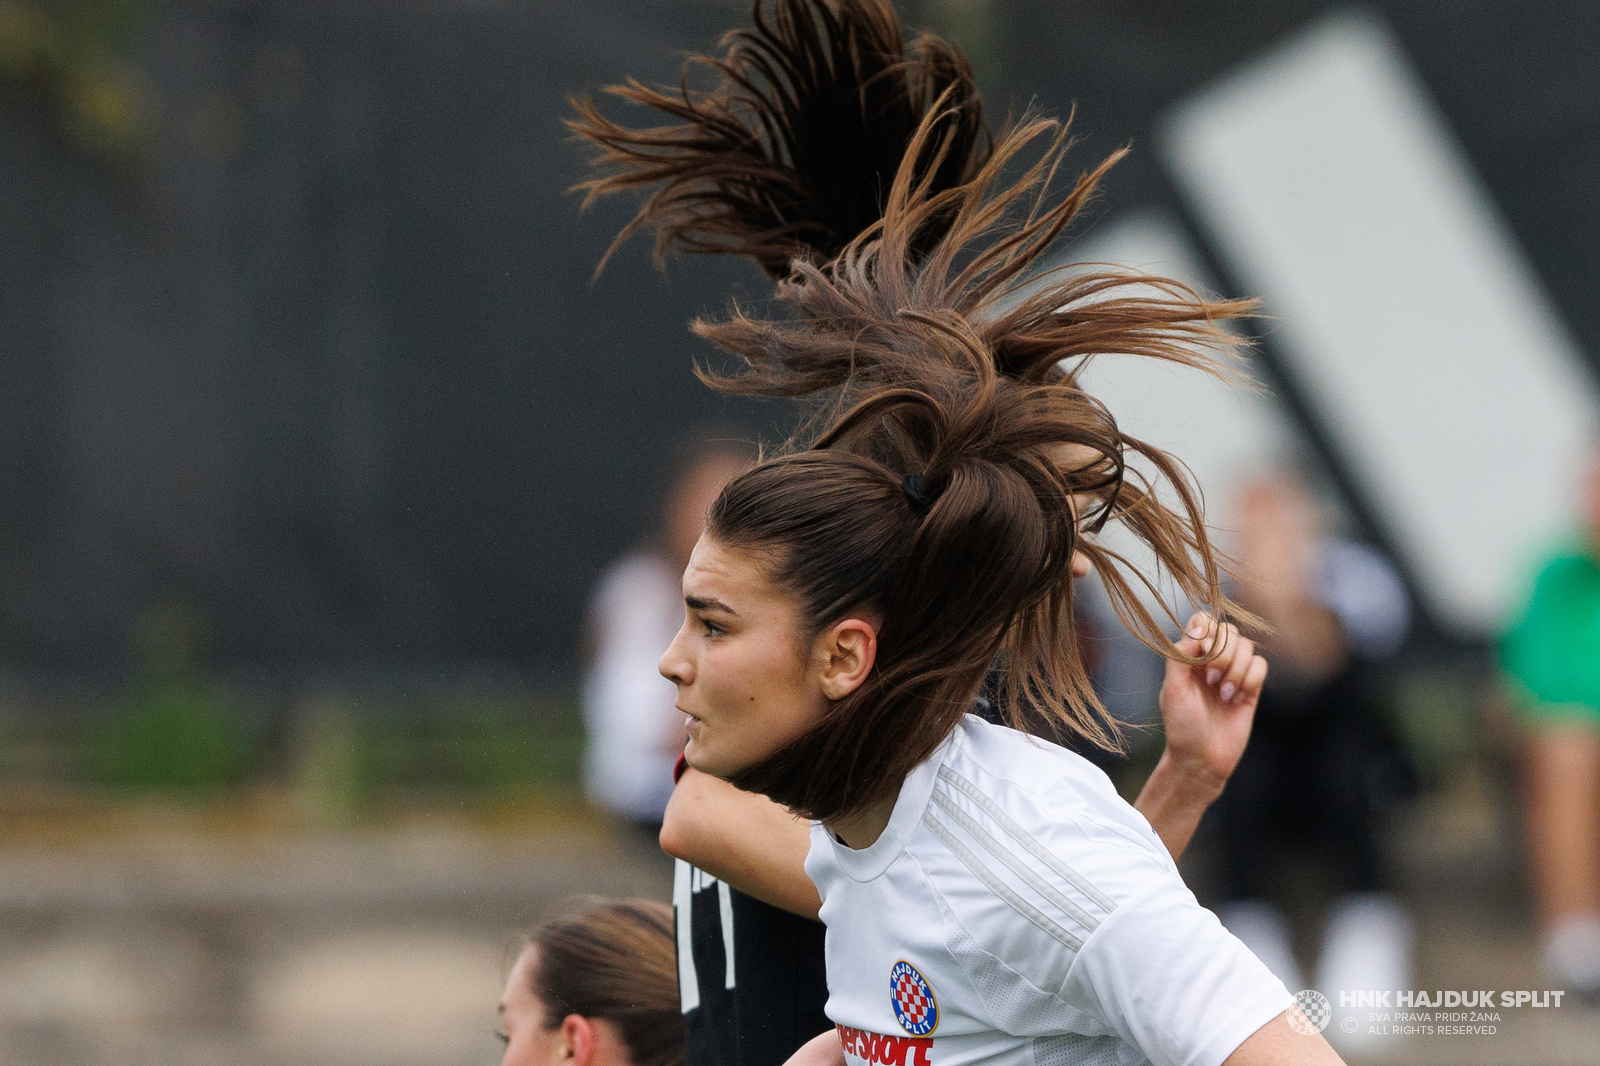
(698, 604)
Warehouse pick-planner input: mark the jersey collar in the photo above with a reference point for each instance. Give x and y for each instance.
(915, 792)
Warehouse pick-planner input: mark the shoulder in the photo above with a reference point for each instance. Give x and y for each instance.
(1366, 594)
(1032, 859)
(1165, 974)
(1055, 795)
(1026, 843)
(1065, 912)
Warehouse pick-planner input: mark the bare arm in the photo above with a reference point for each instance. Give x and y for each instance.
(741, 838)
(824, 1049)
(1279, 1044)
(1173, 801)
(760, 848)
(1207, 711)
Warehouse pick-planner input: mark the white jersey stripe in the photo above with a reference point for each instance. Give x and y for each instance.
(1014, 864)
(1020, 835)
(682, 905)
(725, 911)
(999, 887)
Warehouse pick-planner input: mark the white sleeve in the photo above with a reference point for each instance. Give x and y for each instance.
(1164, 973)
(1363, 591)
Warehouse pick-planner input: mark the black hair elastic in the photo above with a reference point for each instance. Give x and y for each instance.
(916, 490)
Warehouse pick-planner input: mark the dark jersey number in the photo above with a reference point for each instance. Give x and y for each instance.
(751, 976)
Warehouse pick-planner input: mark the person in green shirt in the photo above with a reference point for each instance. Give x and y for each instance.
(1551, 659)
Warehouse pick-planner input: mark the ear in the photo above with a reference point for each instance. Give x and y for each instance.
(846, 651)
(577, 1039)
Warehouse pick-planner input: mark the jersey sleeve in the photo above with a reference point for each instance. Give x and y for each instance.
(1533, 652)
(1168, 978)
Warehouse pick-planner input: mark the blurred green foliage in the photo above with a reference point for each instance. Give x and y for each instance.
(345, 755)
(173, 734)
(977, 27)
(72, 57)
(174, 728)
(355, 756)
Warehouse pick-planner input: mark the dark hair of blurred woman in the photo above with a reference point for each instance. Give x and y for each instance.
(597, 986)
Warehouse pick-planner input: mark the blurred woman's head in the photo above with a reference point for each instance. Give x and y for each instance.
(683, 515)
(696, 466)
(596, 987)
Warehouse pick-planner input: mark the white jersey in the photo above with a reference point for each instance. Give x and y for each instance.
(1018, 912)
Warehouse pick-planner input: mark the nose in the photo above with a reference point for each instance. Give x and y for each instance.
(675, 665)
(1080, 564)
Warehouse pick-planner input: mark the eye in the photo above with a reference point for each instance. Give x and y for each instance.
(504, 1038)
(712, 629)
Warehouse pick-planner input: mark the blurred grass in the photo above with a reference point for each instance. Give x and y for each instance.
(177, 738)
(172, 734)
(195, 751)
(355, 756)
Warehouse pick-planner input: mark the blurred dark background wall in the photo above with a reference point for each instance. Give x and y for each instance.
(309, 343)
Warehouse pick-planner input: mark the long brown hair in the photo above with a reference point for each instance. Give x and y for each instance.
(790, 152)
(614, 960)
(954, 465)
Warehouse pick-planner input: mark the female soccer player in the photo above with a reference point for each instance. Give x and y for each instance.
(986, 894)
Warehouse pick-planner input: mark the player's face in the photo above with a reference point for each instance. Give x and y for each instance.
(522, 1017)
(741, 663)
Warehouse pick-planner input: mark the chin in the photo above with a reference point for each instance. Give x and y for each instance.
(699, 758)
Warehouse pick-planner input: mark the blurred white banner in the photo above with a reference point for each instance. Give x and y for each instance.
(1224, 433)
(1401, 304)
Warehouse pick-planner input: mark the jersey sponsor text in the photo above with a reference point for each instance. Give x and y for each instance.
(876, 1049)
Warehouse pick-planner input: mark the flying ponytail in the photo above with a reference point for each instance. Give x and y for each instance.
(952, 466)
(788, 155)
(956, 370)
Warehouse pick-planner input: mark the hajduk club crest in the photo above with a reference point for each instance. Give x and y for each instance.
(915, 1008)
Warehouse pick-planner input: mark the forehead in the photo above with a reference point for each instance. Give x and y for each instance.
(519, 993)
(731, 575)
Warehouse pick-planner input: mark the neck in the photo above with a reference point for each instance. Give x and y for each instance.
(863, 828)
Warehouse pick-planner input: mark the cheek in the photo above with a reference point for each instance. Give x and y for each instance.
(520, 1051)
(533, 1046)
(786, 700)
(783, 666)
(757, 684)
(736, 676)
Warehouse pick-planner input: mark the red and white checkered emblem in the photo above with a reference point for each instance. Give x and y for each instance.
(914, 1004)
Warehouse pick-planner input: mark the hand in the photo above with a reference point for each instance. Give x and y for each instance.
(1208, 709)
(822, 1050)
